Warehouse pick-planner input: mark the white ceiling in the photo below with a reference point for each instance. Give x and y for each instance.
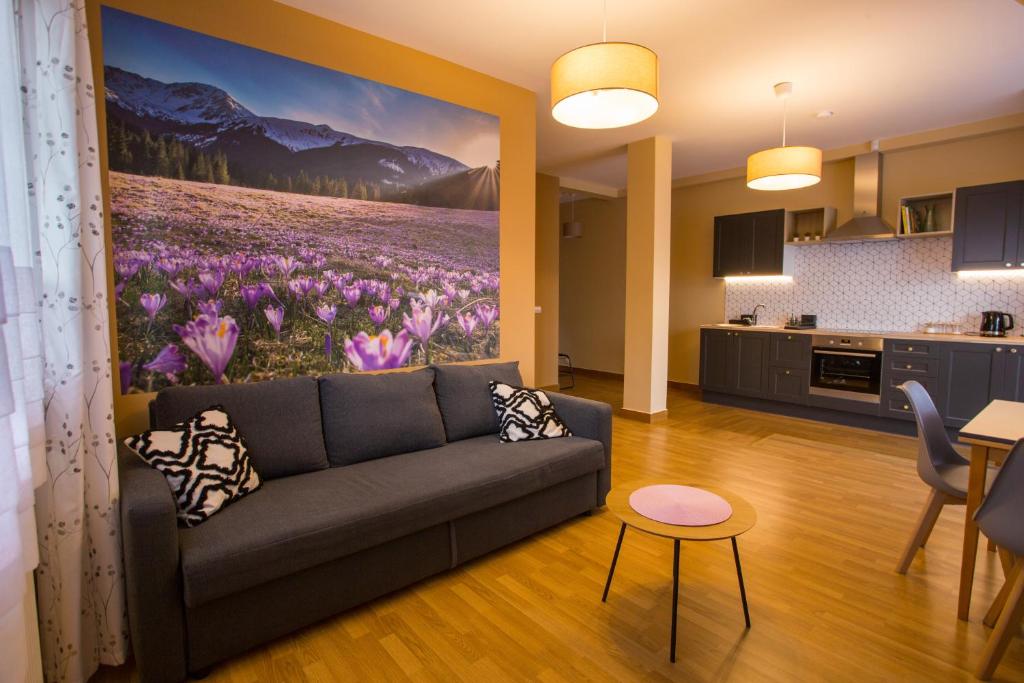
(886, 67)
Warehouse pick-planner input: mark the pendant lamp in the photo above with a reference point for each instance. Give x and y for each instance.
(784, 168)
(604, 85)
(572, 229)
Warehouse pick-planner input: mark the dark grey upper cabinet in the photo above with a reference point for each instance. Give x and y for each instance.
(989, 226)
(749, 243)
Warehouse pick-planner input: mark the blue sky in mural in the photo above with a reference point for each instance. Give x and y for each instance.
(272, 85)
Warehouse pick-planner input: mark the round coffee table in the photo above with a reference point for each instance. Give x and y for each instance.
(742, 519)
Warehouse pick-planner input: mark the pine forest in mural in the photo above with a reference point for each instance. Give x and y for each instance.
(274, 218)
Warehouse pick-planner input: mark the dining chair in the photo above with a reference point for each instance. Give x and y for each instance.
(999, 517)
(938, 465)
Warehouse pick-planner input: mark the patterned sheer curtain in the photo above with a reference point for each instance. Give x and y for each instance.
(78, 580)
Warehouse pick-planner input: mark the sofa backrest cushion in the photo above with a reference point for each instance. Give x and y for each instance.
(279, 420)
(373, 416)
(464, 396)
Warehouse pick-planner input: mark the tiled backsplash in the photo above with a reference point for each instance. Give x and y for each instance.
(897, 285)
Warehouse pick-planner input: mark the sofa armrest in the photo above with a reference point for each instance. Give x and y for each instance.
(149, 533)
(592, 420)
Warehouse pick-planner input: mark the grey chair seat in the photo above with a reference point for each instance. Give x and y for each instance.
(956, 477)
(298, 522)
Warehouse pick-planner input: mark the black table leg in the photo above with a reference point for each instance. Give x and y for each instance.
(615, 559)
(675, 597)
(739, 575)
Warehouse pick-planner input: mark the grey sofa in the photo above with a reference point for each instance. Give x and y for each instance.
(371, 483)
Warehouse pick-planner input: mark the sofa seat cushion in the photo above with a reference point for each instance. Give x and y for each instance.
(298, 522)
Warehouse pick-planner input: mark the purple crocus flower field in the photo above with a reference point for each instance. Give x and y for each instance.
(218, 283)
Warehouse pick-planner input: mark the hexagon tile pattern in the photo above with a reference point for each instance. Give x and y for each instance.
(895, 285)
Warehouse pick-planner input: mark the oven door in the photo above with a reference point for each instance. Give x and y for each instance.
(854, 375)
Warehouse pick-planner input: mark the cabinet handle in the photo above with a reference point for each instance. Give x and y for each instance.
(789, 337)
(1009, 265)
(999, 349)
(909, 366)
(906, 407)
(787, 372)
(1013, 350)
(910, 348)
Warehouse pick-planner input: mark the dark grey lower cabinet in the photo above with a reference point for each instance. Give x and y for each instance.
(735, 362)
(787, 384)
(974, 374)
(752, 350)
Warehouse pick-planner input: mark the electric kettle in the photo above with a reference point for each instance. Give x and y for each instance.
(995, 323)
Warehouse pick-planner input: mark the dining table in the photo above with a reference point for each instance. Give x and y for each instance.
(991, 435)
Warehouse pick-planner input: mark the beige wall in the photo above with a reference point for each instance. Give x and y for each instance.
(696, 297)
(286, 31)
(592, 286)
(546, 282)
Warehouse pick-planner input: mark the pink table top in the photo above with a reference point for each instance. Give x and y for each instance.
(680, 505)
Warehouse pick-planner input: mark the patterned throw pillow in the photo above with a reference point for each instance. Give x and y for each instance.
(525, 414)
(204, 461)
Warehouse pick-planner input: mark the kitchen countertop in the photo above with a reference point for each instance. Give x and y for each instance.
(1014, 339)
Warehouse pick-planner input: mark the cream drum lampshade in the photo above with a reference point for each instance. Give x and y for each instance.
(604, 85)
(784, 168)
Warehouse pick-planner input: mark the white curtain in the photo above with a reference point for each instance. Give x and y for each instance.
(22, 466)
(58, 248)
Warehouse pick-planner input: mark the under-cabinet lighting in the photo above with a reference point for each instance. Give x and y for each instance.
(975, 274)
(733, 279)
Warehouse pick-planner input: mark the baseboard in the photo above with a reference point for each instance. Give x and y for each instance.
(685, 386)
(586, 372)
(641, 416)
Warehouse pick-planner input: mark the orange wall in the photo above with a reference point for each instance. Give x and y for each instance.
(286, 31)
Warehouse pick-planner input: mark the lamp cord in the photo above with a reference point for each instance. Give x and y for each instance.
(785, 111)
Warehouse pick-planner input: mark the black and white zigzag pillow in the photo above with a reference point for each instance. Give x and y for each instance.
(204, 461)
(525, 414)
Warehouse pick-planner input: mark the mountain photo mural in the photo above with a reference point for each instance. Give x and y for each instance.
(274, 218)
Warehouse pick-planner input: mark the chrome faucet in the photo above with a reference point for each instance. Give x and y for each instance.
(753, 316)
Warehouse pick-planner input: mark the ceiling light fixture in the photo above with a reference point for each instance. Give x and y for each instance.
(784, 168)
(572, 229)
(604, 85)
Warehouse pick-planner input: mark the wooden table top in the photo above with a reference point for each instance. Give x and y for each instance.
(999, 425)
(742, 519)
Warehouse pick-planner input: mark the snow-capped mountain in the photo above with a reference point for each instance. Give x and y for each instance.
(210, 119)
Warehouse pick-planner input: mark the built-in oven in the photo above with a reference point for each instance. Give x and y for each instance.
(846, 367)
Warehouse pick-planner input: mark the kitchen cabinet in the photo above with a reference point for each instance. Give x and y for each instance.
(788, 384)
(989, 226)
(735, 362)
(976, 374)
(749, 243)
(791, 351)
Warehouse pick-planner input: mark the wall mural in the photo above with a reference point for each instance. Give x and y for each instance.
(274, 218)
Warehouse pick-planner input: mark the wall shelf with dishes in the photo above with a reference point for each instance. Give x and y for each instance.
(929, 215)
(809, 226)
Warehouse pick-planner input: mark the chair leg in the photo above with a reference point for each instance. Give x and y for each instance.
(923, 529)
(1006, 559)
(1000, 602)
(991, 546)
(1005, 629)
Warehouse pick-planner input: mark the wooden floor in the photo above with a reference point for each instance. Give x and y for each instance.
(834, 504)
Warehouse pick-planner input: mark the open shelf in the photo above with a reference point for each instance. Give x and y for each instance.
(917, 208)
(815, 223)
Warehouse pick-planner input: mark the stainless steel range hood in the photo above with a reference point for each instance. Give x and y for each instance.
(866, 223)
